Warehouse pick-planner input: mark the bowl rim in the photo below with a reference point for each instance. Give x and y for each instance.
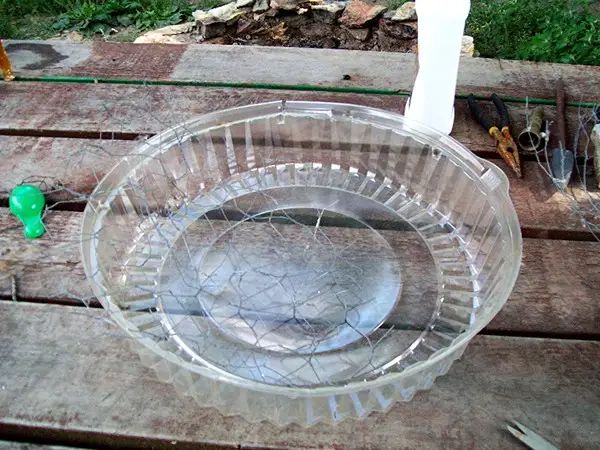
(486, 172)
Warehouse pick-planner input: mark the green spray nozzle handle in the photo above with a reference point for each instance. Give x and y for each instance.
(27, 203)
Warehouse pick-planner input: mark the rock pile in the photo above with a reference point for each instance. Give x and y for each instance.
(347, 24)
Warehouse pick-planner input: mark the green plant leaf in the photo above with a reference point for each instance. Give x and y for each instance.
(539, 30)
(125, 20)
(62, 23)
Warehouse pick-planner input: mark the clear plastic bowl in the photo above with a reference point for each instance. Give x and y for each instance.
(301, 261)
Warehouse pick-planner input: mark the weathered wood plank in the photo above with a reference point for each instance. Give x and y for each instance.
(65, 169)
(292, 66)
(11, 445)
(138, 109)
(45, 268)
(110, 108)
(68, 371)
(556, 293)
(68, 169)
(106, 109)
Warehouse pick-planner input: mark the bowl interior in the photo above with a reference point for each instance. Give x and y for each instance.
(301, 245)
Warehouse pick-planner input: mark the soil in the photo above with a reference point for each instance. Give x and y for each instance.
(306, 30)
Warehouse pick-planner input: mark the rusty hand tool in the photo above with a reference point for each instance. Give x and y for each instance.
(5, 64)
(532, 136)
(563, 159)
(504, 142)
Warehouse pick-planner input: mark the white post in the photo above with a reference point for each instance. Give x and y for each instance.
(441, 27)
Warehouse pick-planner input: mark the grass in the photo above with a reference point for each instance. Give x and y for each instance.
(564, 31)
(41, 19)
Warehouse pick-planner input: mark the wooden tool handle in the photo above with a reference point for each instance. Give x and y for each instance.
(560, 112)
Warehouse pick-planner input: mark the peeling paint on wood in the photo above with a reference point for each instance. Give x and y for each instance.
(320, 67)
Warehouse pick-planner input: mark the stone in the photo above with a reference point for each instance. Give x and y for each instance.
(228, 13)
(468, 46)
(260, 6)
(399, 30)
(287, 5)
(242, 3)
(302, 10)
(406, 12)
(166, 35)
(202, 16)
(212, 30)
(359, 13)
(331, 7)
(360, 34)
(388, 43)
(328, 12)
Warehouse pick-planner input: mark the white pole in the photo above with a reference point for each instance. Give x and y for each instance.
(441, 26)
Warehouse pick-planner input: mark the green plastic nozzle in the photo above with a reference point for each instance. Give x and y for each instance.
(27, 203)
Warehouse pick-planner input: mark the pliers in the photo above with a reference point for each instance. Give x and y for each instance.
(5, 67)
(504, 142)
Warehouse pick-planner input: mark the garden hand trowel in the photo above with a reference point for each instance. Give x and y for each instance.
(563, 159)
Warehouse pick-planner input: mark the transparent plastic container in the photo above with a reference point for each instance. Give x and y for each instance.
(301, 261)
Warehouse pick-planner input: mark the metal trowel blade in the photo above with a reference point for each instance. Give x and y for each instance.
(562, 166)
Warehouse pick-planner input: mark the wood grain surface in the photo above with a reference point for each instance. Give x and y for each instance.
(134, 111)
(292, 66)
(556, 293)
(68, 374)
(110, 109)
(26, 445)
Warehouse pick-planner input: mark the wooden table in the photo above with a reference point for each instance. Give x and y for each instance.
(67, 375)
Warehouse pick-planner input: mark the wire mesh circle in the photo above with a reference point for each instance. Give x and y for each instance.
(300, 248)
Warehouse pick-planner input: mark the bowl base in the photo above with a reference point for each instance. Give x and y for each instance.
(274, 280)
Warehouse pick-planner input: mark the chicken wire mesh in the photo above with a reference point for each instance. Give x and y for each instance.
(295, 326)
(582, 192)
(231, 249)
(69, 190)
